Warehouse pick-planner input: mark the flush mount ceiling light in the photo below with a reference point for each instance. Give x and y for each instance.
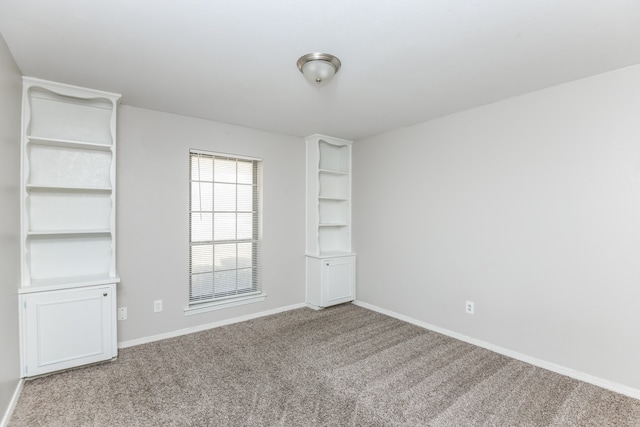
(318, 68)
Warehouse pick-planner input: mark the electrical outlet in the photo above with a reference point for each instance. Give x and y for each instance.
(157, 305)
(469, 307)
(122, 313)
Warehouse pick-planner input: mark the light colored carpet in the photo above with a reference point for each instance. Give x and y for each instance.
(342, 366)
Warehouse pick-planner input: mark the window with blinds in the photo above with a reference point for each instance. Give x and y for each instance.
(224, 225)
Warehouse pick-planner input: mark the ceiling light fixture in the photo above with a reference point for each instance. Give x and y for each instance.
(318, 68)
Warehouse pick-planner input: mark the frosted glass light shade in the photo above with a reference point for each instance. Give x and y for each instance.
(318, 68)
(318, 73)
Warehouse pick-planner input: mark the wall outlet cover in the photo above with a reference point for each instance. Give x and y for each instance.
(469, 307)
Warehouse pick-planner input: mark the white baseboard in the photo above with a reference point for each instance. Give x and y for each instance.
(12, 404)
(581, 376)
(179, 332)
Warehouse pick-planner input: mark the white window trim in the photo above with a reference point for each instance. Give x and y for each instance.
(227, 303)
(229, 155)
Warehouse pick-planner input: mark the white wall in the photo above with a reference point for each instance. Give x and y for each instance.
(153, 225)
(529, 207)
(10, 101)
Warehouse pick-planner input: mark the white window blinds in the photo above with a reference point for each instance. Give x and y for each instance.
(225, 226)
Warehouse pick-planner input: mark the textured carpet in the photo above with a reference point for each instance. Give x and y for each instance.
(342, 366)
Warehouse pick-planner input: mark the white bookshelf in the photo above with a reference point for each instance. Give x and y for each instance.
(68, 233)
(330, 262)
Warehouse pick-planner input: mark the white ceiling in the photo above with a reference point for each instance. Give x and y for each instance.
(403, 61)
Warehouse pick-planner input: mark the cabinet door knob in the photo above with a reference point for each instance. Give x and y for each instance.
(105, 294)
(327, 264)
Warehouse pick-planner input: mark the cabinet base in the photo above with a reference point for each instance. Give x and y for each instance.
(46, 374)
(319, 307)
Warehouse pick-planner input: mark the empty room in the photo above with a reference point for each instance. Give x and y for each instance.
(343, 213)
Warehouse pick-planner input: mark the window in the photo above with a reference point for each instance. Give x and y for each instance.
(224, 224)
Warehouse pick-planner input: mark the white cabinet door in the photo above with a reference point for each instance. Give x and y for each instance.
(330, 280)
(67, 328)
(338, 278)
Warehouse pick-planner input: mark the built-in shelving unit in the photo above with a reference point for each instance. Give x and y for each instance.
(330, 262)
(68, 238)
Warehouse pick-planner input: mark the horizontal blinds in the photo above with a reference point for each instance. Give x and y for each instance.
(224, 226)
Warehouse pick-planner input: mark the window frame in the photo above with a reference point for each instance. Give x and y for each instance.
(255, 292)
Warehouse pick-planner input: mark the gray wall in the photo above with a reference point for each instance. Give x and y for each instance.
(152, 219)
(10, 101)
(529, 207)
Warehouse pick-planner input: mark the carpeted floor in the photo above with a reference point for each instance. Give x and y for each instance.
(342, 366)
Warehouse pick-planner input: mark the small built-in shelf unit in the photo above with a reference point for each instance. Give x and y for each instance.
(68, 218)
(68, 180)
(329, 221)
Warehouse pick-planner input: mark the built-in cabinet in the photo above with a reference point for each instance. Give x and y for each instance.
(330, 263)
(67, 328)
(68, 233)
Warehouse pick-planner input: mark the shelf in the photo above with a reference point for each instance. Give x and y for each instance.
(333, 225)
(331, 254)
(57, 283)
(336, 199)
(333, 155)
(332, 172)
(68, 255)
(31, 187)
(55, 210)
(68, 232)
(67, 143)
(69, 117)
